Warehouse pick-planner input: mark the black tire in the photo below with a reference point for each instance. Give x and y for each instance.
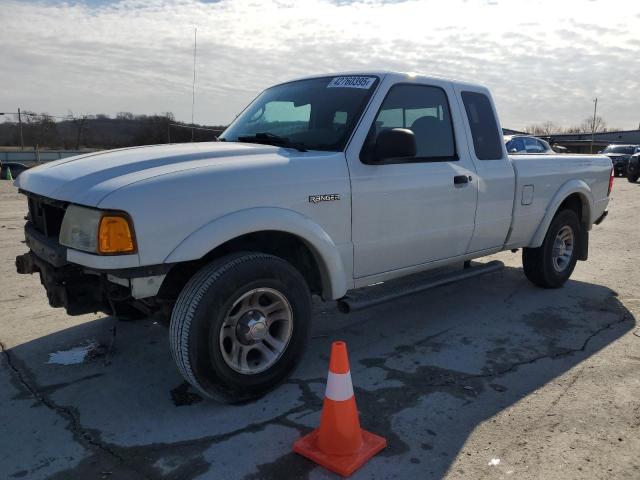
(200, 312)
(538, 262)
(632, 178)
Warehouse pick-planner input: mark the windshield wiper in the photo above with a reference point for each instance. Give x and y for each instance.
(272, 139)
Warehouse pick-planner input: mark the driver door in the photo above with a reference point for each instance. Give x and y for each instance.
(417, 210)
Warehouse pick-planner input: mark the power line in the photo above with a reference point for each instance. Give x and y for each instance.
(27, 114)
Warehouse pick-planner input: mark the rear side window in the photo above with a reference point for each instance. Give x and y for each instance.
(484, 127)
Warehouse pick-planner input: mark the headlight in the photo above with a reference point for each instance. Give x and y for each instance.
(95, 231)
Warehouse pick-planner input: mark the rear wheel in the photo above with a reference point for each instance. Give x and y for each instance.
(632, 178)
(240, 325)
(551, 264)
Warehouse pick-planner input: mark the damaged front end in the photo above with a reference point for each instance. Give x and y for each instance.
(76, 288)
(66, 285)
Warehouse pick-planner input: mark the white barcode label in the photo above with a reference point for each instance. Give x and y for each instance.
(351, 82)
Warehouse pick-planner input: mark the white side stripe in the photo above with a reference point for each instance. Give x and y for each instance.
(339, 387)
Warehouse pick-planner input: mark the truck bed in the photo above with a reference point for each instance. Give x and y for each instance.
(539, 178)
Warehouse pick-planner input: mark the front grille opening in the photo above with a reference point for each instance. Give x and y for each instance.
(53, 220)
(46, 215)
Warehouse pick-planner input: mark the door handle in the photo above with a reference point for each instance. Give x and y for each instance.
(460, 179)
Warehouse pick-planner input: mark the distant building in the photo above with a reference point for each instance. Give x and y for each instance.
(509, 131)
(581, 142)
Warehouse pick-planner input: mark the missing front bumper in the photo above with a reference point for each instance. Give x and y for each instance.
(80, 289)
(67, 286)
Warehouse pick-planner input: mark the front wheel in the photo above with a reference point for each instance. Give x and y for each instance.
(551, 264)
(240, 325)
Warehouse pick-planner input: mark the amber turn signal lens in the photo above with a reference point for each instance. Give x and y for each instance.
(115, 235)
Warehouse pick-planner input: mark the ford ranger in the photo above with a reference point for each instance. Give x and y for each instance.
(323, 185)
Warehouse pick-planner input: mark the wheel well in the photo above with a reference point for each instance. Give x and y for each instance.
(575, 202)
(281, 244)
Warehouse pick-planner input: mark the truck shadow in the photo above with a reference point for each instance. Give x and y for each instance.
(427, 370)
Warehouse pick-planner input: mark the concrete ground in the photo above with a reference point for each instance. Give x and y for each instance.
(489, 378)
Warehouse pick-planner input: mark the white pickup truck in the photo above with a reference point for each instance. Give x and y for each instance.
(323, 185)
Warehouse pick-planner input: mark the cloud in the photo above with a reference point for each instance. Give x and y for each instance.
(136, 55)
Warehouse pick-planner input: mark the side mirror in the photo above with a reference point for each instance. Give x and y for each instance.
(394, 143)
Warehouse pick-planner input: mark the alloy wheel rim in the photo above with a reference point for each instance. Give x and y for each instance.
(563, 249)
(256, 331)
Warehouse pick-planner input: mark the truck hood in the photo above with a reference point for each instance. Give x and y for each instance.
(87, 179)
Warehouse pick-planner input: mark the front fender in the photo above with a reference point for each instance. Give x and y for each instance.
(568, 188)
(236, 224)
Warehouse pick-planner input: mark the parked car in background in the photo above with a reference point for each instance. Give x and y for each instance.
(559, 148)
(15, 167)
(620, 155)
(633, 168)
(526, 144)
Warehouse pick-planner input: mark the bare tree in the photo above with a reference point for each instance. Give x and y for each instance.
(588, 125)
(39, 129)
(125, 116)
(545, 128)
(573, 129)
(78, 123)
(101, 131)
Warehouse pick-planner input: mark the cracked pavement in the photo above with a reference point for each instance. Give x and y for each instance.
(546, 381)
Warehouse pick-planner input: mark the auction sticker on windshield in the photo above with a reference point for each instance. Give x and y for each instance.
(351, 82)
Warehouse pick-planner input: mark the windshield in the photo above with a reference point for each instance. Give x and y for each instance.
(627, 150)
(314, 114)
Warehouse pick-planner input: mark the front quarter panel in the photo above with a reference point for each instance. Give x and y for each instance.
(183, 215)
(236, 224)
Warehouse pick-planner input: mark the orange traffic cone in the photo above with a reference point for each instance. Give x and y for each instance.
(339, 444)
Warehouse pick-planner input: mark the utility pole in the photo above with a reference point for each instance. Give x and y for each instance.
(193, 88)
(21, 137)
(593, 125)
(80, 125)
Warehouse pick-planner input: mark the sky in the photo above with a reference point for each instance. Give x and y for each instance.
(544, 60)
